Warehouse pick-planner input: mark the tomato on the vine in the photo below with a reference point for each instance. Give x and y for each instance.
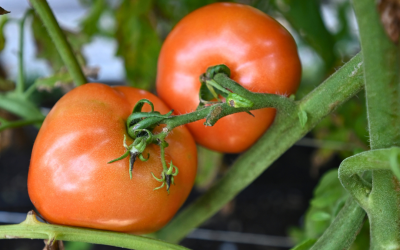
(260, 53)
(70, 182)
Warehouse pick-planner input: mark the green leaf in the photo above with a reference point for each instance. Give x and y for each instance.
(3, 22)
(138, 42)
(74, 245)
(305, 245)
(320, 216)
(46, 49)
(19, 105)
(312, 29)
(60, 79)
(48, 83)
(90, 24)
(174, 11)
(328, 195)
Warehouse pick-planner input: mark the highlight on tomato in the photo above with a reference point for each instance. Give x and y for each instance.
(70, 181)
(262, 57)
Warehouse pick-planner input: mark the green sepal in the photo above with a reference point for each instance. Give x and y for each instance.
(144, 120)
(132, 159)
(208, 93)
(221, 68)
(138, 109)
(167, 177)
(237, 101)
(139, 133)
(119, 158)
(139, 105)
(141, 157)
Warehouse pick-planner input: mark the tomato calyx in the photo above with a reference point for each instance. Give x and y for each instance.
(139, 127)
(135, 150)
(211, 89)
(144, 120)
(167, 175)
(215, 85)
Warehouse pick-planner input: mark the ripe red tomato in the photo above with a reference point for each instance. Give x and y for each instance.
(70, 182)
(261, 54)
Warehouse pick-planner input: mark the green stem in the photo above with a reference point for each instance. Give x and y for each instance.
(382, 87)
(20, 123)
(60, 41)
(31, 228)
(219, 110)
(21, 80)
(285, 131)
(164, 164)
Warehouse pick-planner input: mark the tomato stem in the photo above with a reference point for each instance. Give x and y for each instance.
(57, 35)
(31, 228)
(21, 80)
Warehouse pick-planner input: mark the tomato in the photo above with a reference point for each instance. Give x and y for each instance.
(260, 53)
(70, 182)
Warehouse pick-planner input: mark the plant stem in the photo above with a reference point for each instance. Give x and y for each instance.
(21, 80)
(20, 123)
(382, 87)
(31, 228)
(284, 132)
(222, 109)
(60, 41)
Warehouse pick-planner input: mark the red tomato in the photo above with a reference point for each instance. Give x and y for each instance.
(261, 54)
(70, 182)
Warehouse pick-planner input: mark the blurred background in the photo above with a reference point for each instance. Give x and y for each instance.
(117, 42)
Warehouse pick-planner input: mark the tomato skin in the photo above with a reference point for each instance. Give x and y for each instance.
(70, 182)
(260, 53)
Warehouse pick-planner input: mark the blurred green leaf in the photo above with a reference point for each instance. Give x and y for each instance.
(138, 42)
(312, 29)
(320, 216)
(321, 211)
(19, 105)
(329, 198)
(90, 24)
(48, 83)
(305, 245)
(3, 21)
(74, 245)
(46, 49)
(348, 124)
(171, 12)
(60, 79)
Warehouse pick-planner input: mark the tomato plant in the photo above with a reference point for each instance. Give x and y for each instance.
(70, 182)
(260, 53)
